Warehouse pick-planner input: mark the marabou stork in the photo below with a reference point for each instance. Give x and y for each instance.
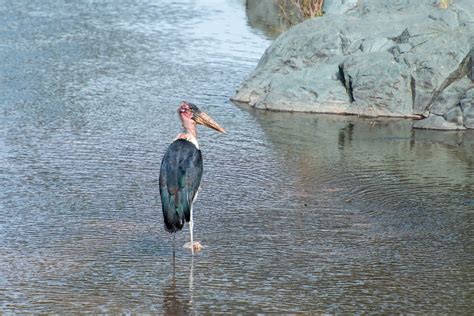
(181, 172)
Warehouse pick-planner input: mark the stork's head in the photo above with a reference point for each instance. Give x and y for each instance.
(190, 112)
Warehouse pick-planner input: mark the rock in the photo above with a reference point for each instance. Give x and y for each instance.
(455, 116)
(265, 15)
(436, 122)
(372, 45)
(341, 6)
(351, 61)
(273, 16)
(454, 105)
(436, 63)
(377, 85)
(397, 7)
(449, 97)
(467, 107)
(471, 66)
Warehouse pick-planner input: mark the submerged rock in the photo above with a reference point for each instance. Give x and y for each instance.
(373, 58)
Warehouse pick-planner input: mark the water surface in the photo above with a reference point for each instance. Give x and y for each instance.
(297, 213)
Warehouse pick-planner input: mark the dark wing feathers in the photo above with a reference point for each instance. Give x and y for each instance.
(180, 176)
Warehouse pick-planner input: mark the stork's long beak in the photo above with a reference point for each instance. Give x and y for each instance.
(204, 119)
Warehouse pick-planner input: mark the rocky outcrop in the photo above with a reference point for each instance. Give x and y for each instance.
(265, 15)
(373, 58)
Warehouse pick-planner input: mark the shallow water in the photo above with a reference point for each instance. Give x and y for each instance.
(297, 213)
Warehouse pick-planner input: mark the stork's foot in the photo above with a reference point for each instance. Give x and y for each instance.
(196, 246)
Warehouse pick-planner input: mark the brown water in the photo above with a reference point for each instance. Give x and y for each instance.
(297, 213)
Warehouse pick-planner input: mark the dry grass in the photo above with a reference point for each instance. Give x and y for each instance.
(309, 8)
(443, 4)
(306, 9)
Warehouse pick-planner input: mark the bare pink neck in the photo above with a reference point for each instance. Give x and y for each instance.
(189, 125)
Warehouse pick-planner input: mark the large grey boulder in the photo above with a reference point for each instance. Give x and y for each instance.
(373, 58)
(467, 106)
(265, 15)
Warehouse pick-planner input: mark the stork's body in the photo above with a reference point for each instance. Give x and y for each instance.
(181, 172)
(180, 177)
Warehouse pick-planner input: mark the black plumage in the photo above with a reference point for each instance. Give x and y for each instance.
(180, 176)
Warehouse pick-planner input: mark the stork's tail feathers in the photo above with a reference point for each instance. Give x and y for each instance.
(175, 212)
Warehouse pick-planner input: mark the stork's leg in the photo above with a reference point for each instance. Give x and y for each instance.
(193, 245)
(174, 247)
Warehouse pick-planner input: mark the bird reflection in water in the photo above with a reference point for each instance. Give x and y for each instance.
(174, 301)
